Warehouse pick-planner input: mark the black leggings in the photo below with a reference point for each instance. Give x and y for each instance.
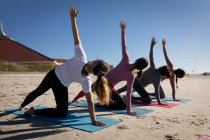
(137, 86)
(60, 93)
(118, 104)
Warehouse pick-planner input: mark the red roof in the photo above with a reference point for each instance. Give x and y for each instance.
(11, 50)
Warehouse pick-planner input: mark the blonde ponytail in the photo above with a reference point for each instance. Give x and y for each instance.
(102, 90)
(101, 86)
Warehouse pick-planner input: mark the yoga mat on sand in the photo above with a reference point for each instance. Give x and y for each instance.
(203, 137)
(74, 120)
(83, 103)
(181, 100)
(153, 103)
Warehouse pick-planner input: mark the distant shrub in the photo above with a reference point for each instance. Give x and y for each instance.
(15, 67)
(206, 74)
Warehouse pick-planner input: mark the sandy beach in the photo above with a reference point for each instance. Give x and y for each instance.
(185, 121)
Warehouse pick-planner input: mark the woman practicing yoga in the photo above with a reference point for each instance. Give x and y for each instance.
(150, 76)
(77, 69)
(122, 72)
(175, 74)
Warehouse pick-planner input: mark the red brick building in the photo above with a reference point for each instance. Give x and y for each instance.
(13, 51)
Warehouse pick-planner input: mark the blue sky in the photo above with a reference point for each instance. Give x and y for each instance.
(44, 26)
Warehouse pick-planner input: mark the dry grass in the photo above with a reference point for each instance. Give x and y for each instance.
(15, 67)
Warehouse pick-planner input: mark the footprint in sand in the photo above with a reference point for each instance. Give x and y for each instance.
(199, 121)
(122, 127)
(120, 119)
(171, 137)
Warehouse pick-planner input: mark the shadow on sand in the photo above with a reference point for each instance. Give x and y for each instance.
(38, 128)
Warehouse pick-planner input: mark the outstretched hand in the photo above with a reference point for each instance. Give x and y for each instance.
(98, 123)
(163, 42)
(153, 41)
(73, 11)
(123, 25)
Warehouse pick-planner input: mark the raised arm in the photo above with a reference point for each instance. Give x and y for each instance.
(170, 65)
(151, 58)
(124, 49)
(73, 14)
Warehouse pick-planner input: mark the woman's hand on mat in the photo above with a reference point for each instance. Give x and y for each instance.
(98, 123)
(132, 113)
(159, 103)
(73, 11)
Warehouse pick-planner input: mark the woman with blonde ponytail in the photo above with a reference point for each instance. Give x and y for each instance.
(76, 69)
(101, 87)
(122, 72)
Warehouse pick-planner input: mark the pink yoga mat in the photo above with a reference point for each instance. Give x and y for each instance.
(154, 103)
(203, 137)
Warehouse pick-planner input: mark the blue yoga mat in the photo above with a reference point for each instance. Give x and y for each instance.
(181, 100)
(74, 120)
(139, 111)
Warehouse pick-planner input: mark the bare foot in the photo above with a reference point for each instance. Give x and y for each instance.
(27, 107)
(21, 108)
(30, 111)
(24, 108)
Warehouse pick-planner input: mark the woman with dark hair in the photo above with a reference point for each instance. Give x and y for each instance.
(152, 75)
(122, 72)
(175, 74)
(77, 69)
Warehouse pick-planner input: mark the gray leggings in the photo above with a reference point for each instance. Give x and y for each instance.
(161, 92)
(139, 88)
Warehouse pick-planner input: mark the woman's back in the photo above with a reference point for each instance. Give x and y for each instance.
(120, 73)
(150, 76)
